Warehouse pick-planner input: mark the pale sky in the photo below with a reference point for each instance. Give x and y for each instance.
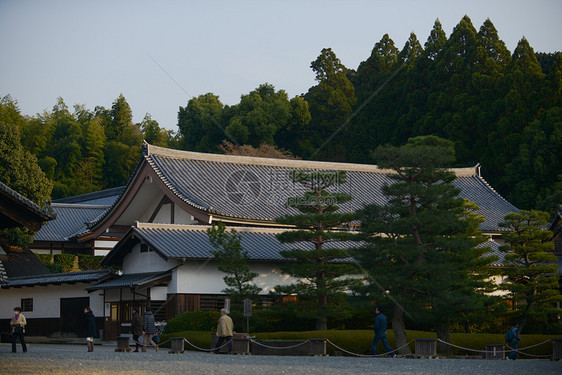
(88, 52)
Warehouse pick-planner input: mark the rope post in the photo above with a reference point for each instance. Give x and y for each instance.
(240, 344)
(317, 346)
(426, 348)
(123, 344)
(557, 349)
(177, 345)
(495, 351)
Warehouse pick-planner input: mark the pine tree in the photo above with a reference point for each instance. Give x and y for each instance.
(321, 272)
(233, 260)
(530, 265)
(421, 255)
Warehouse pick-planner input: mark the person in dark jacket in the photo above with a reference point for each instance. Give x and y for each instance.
(137, 327)
(514, 341)
(380, 333)
(90, 328)
(149, 329)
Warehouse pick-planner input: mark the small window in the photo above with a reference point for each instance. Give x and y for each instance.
(144, 248)
(27, 304)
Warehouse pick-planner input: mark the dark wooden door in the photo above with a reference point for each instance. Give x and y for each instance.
(72, 315)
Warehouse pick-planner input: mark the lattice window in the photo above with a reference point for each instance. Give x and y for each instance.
(27, 304)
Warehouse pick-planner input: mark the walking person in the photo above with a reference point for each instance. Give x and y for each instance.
(137, 326)
(149, 329)
(18, 323)
(225, 330)
(90, 328)
(380, 333)
(512, 338)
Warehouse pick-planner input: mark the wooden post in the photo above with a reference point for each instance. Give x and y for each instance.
(123, 344)
(240, 344)
(557, 349)
(317, 346)
(426, 348)
(495, 351)
(177, 345)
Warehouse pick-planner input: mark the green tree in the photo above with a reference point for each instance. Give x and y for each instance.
(331, 103)
(259, 116)
(153, 133)
(421, 254)
(19, 170)
(233, 260)
(530, 265)
(322, 273)
(200, 124)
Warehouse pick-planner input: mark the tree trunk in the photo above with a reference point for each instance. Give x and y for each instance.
(444, 333)
(399, 329)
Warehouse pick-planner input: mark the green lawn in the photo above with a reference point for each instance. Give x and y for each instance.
(359, 341)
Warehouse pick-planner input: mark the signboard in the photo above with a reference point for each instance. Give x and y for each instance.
(247, 307)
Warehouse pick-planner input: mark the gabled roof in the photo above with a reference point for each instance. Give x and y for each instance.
(252, 190)
(71, 221)
(18, 211)
(192, 242)
(58, 278)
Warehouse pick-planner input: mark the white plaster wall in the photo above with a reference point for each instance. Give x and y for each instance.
(163, 216)
(159, 293)
(205, 278)
(46, 299)
(137, 262)
(182, 217)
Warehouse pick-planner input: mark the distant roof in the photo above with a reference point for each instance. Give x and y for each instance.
(20, 263)
(58, 278)
(253, 189)
(103, 197)
(18, 211)
(70, 222)
(494, 251)
(192, 242)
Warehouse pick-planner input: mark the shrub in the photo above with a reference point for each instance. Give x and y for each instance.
(66, 261)
(193, 321)
(54, 268)
(89, 262)
(45, 258)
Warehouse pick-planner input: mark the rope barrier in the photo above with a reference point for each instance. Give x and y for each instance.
(207, 350)
(509, 349)
(280, 347)
(367, 355)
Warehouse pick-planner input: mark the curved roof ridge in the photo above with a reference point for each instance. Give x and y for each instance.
(483, 181)
(81, 205)
(195, 227)
(288, 163)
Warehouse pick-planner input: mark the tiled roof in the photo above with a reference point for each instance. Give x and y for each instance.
(57, 278)
(21, 204)
(494, 250)
(130, 280)
(71, 221)
(104, 197)
(250, 188)
(192, 242)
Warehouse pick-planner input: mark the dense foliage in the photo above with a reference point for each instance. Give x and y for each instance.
(501, 109)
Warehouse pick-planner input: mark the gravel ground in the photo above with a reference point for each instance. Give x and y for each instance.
(73, 359)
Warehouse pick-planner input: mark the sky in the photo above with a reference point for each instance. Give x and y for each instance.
(160, 54)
